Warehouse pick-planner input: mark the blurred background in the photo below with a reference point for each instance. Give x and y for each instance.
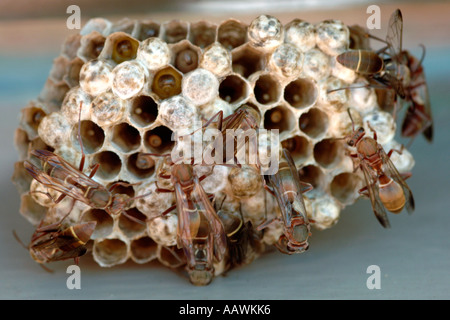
(413, 256)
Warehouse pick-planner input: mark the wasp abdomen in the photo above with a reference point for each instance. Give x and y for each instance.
(391, 195)
(361, 61)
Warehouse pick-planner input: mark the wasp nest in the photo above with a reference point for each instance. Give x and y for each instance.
(140, 81)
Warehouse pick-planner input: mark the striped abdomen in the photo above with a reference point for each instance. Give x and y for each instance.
(361, 61)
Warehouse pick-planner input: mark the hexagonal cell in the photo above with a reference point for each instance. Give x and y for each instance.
(144, 110)
(53, 94)
(71, 45)
(233, 89)
(344, 187)
(92, 136)
(328, 152)
(159, 139)
(185, 56)
(232, 33)
(38, 144)
(21, 142)
(31, 118)
(105, 222)
(31, 210)
(124, 25)
(267, 89)
(21, 178)
(171, 257)
(148, 29)
(110, 164)
(126, 137)
(139, 169)
(129, 227)
(143, 249)
(59, 68)
(301, 93)
(110, 252)
(280, 118)
(298, 146)
(202, 33)
(314, 122)
(120, 47)
(167, 83)
(247, 61)
(92, 45)
(121, 187)
(72, 77)
(313, 175)
(174, 31)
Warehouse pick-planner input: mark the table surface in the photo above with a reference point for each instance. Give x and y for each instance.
(413, 256)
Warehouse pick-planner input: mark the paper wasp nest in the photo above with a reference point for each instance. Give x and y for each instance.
(139, 81)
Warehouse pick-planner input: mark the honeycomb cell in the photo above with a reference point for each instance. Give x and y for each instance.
(31, 210)
(148, 29)
(92, 136)
(31, 117)
(96, 77)
(141, 169)
(313, 175)
(54, 130)
(177, 113)
(110, 252)
(39, 144)
(332, 37)
(280, 118)
(174, 31)
(59, 68)
(344, 187)
(125, 25)
(144, 110)
(265, 32)
(186, 60)
(105, 222)
(216, 59)
(200, 87)
(287, 60)
(143, 250)
(267, 89)
(232, 34)
(245, 181)
(128, 79)
(99, 25)
(171, 257)
(107, 109)
(167, 83)
(383, 123)
(92, 45)
(110, 164)
(71, 45)
(21, 178)
(328, 152)
(21, 142)
(122, 187)
(299, 147)
(234, 89)
(202, 33)
(301, 93)
(72, 77)
(159, 139)
(129, 227)
(53, 94)
(126, 137)
(314, 122)
(123, 47)
(316, 64)
(300, 33)
(246, 61)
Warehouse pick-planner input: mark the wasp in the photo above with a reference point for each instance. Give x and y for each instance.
(200, 232)
(385, 186)
(288, 189)
(55, 243)
(59, 175)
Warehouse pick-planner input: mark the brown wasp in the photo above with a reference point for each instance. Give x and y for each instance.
(200, 232)
(385, 186)
(55, 243)
(59, 175)
(288, 189)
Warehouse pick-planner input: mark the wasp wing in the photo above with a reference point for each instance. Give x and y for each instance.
(394, 35)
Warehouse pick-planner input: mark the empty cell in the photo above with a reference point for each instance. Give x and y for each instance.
(171, 257)
(31, 210)
(92, 136)
(231, 34)
(104, 221)
(345, 186)
(147, 30)
(32, 117)
(141, 167)
(159, 139)
(110, 164)
(126, 137)
(129, 227)
(314, 123)
(21, 178)
(122, 187)
(110, 252)
(186, 60)
(202, 34)
(144, 110)
(328, 152)
(91, 46)
(175, 31)
(301, 93)
(267, 90)
(298, 146)
(313, 175)
(280, 118)
(233, 89)
(143, 249)
(167, 83)
(124, 48)
(246, 61)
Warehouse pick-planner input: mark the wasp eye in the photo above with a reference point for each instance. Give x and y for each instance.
(361, 130)
(351, 143)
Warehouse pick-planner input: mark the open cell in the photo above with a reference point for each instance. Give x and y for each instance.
(92, 136)
(110, 164)
(231, 34)
(144, 110)
(233, 89)
(328, 152)
(171, 257)
(247, 61)
(148, 29)
(32, 117)
(298, 146)
(314, 122)
(301, 93)
(202, 34)
(280, 118)
(267, 90)
(311, 174)
(126, 137)
(124, 48)
(104, 221)
(110, 252)
(167, 83)
(345, 186)
(141, 167)
(186, 57)
(143, 249)
(175, 31)
(129, 227)
(159, 139)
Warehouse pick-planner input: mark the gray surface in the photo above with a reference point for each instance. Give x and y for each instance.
(414, 255)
